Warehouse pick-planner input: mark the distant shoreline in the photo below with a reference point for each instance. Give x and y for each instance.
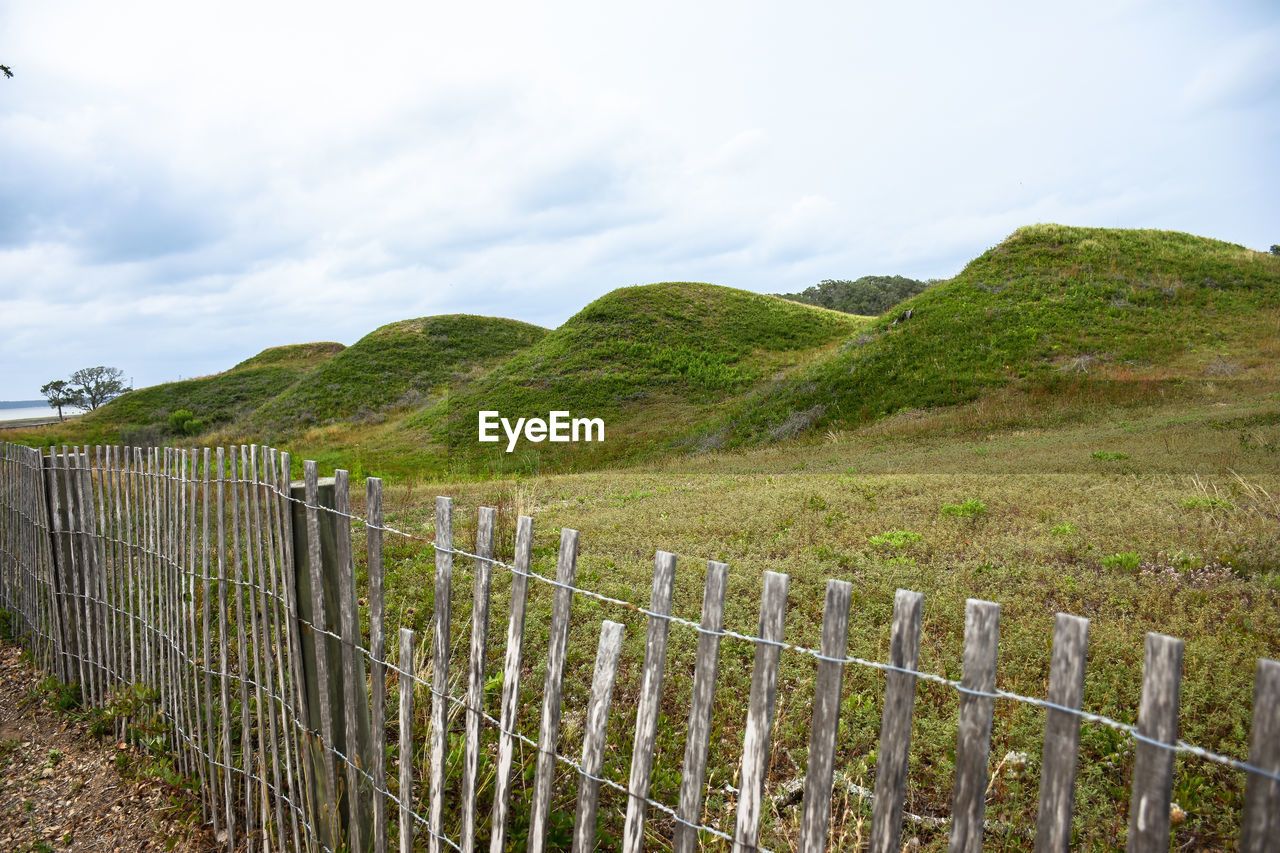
(26, 423)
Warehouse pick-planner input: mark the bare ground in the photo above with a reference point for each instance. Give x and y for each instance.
(60, 789)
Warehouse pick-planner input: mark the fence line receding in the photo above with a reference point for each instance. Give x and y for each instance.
(227, 594)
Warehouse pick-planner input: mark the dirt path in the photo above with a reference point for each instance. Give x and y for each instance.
(60, 789)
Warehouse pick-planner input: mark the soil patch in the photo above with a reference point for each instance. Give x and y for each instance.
(60, 789)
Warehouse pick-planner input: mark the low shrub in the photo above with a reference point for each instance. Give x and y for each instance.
(896, 538)
(971, 508)
(1126, 561)
(1206, 502)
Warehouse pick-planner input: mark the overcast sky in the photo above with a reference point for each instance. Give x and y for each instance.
(184, 185)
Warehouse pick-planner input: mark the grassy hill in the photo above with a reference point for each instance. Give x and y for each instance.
(1050, 317)
(651, 360)
(400, 365)
(298, 357)
(1049, 308)
(142, 416)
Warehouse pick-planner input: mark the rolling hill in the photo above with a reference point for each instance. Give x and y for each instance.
(652, 360)
(1051, 313)
(141, 416)
(401, 365)
(1049, 307)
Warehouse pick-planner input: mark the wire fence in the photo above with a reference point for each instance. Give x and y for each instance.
(231, 595)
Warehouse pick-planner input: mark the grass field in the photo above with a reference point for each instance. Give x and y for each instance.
(1155, 516)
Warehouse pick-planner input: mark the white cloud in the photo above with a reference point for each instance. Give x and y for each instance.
(1242, 72)
(186, 185)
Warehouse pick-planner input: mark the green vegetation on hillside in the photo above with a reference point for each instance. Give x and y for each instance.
(870, 295)
(142, 417)
(296, 356)
(1048, 307)
(1042, 326)
(400, 365)
(665, 351)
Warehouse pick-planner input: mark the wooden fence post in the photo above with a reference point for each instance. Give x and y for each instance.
(511, 683)
(241, 565)
(267, 503)
(132, 564)
(247, 551)
(1152, 763)
(60, 573)
(224, 675)
(324, 592)
(268, 645)
(826, 718)
(1260, 829)
(595, 728)
(40, 545)
(655, 657)
(977, 704)
(82, 526)
(318, 657)
(1061, 734)
(764, 691)
(475, 673)
(407, 679)
(210, 745)
(356, 740)
(895, 722)
(78, 567)
(292, 524)
(377, 652)
(106, 559)
(704, 688)
(549, 731)
(440, 648)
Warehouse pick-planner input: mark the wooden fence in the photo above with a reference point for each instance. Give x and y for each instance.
(231, 595)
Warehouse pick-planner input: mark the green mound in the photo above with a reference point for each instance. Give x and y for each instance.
(1051, 304)
(296, 356)
(656, 354)
(142, 417)
(400, 365)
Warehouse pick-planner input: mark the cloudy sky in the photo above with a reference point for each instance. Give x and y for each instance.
(186, 184)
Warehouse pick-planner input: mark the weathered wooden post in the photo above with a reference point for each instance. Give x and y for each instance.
(1260, 831)
(60, 589)
(318, 583)
(1153, 763)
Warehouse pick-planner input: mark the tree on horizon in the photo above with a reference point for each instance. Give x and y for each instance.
(59, 393)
